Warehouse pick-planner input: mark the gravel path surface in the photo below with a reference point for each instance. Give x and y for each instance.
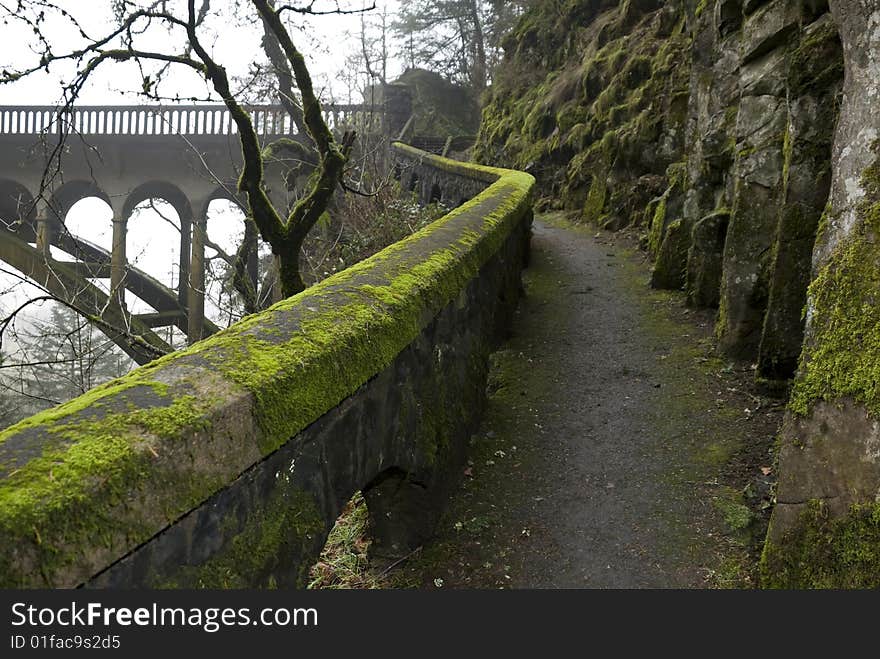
(598, 460)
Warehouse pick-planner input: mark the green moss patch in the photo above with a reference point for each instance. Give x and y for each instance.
(842, 354)
(288, 525)
(585, 116)
(822, 551)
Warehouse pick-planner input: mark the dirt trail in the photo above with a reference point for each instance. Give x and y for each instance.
(609, 441)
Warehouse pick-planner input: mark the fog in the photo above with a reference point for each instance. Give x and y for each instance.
(153, 243)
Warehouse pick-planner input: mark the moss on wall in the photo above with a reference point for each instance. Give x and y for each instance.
(842, 357)
(86, 482)
(586, 118)
(277, 534)
(823, 551)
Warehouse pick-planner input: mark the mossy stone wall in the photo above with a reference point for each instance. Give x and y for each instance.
(227, 463)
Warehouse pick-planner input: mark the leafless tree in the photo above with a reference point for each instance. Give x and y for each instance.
(189, 45)
(460, 39)
(283, 229)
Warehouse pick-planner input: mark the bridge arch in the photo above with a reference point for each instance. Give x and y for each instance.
(89, 218)
(218, 209)
(370, 380)
(153, 240)
(227, 194)
(17, 205)
(167, 192)
(225, 216)
(68, 194)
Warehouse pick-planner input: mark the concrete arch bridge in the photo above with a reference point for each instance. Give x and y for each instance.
(186, 156)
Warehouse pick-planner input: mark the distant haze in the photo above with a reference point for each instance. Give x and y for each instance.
(153, 245)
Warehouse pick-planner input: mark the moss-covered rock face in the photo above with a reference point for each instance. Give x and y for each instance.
(600, 118)
(720, 128)
(824, 530)
(826, 551)
(782, 177)
(660, 114)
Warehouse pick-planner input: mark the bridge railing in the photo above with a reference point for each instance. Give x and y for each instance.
(172, 120)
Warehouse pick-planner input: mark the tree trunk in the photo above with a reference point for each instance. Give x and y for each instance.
(479, 66)
(288, 272)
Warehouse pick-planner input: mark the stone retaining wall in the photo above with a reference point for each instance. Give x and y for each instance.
(226, 464)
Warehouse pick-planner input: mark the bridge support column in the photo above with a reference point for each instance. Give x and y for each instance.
(196, 297)
(118, 261)
(43, 228)
(186, 224)
(44, 235)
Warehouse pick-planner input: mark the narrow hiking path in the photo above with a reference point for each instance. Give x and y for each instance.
(615, 445)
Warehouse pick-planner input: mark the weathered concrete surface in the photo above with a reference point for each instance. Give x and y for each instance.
(430, 184)
(187, 172)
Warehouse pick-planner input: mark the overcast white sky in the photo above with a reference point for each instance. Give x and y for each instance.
(324, 40)
(234, 42)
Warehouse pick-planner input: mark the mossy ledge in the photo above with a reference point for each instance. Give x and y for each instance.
(85, 483)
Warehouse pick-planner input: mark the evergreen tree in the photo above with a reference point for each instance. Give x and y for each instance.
(57, 359)
(460, 39)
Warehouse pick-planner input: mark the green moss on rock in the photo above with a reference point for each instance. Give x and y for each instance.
(822, 551)
(587, 118)
(88, 481)
(817, 62)
(842, 355)
(669, 270)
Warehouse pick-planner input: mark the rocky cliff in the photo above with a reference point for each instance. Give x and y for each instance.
(740, 137)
